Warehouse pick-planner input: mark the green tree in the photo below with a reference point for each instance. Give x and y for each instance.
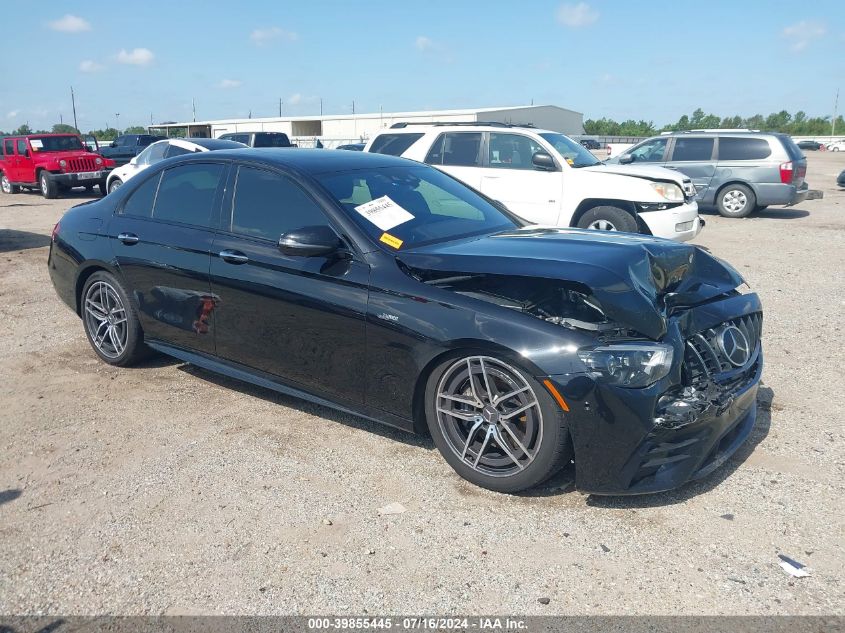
(109, 134)
(135, 129)
(64, 128)
(22, 130)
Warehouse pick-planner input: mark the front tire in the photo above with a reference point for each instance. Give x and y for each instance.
(736, 201)
(495, 424)
(111, 322)
(608, 218)
(7, 186)
(49, 187)
(114, 185)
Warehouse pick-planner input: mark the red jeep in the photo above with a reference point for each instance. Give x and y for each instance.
(52, 163)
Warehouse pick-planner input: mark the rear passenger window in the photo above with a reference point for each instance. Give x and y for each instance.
(394, 144)
(175, 150)
(459, 149)
(738, 148)
(687, 149)
(9, 147)
(186, 194)
(267, 204)
(140, 202)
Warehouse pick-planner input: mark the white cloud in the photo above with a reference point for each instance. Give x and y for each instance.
(13, 114)
(295, 99)
(229, 83)
(423, 43)
(136, 57)
(70, 24)
(90, 66)
(803, 32)
(264, 36)
(606, 78)
(575, 15)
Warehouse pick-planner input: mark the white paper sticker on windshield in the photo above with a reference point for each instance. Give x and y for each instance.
(36, 143)
(384, 213)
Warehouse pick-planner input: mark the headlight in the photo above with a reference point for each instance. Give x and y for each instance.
(62, 163)
(99, 161)
(629, 364)
(668, 191)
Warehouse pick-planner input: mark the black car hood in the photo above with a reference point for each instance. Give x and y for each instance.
(635, 278)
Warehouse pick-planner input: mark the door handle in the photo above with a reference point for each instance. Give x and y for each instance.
(128, 238)
(233, 257)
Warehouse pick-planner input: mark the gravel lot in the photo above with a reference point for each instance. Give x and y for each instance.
(165, 489)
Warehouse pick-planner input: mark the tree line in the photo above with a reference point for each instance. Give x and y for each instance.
(109, 134)
(798, 124)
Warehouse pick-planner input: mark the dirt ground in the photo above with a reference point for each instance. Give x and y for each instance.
(165, 489)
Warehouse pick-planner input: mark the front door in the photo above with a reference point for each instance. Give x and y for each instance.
(162, 240)
(694, 157)
(10, 160)
(298, 318)
(25, 166)
(509, 176)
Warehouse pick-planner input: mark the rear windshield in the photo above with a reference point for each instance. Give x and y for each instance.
(393, 144)
(272, 140)
(792, 149)
(55, 143)
(742, 148)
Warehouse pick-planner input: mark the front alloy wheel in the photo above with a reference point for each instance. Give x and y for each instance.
(495, 425)
(115, 184)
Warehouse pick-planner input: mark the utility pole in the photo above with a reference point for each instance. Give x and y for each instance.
(73, 101)
(280, 108)
(321, 106)
(117, 121)
(833, 120)
(194, 109)
(354, 120)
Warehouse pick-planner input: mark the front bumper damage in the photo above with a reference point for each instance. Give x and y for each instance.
(635, 441)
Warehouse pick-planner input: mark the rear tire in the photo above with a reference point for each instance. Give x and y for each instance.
(111, 321)
(608, 218)
(492, 451)
(736, 201)
(49, 187)
(7, 186)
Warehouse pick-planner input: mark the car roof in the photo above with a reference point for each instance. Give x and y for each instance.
(312, 161)
(463, 127)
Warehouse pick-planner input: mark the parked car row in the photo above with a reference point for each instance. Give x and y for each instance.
(735, 172)
(389, 289)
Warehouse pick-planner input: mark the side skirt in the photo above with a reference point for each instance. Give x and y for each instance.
(268, 381)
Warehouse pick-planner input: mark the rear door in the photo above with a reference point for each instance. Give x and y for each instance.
(161, 238)
(694, 156)
(510, 177)
(459, 154)
(299, 318)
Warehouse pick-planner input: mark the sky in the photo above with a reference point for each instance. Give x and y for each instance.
(137, 62)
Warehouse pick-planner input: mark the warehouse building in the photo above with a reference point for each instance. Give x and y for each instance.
(334, 129)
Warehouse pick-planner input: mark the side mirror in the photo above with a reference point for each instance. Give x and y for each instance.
(310, 241)
(133, 160)
(113, 144)
(543, 161)
(626, 159)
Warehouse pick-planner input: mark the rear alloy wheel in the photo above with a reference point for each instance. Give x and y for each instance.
(736, 201)
(48, 186)
(495, 425)
(111, 323)
(7, 186)
(115, 184)
(608, 218)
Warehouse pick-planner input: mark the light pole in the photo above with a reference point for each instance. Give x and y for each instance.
(117, 121)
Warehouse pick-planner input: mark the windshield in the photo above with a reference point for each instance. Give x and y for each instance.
(413, 206)
(55, 143)
(572, 152)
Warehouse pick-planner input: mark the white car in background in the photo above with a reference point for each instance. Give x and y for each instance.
(160, 150)
(546, 178)
(836, 146)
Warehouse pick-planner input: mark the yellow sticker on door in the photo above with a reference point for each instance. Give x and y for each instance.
(390, 240)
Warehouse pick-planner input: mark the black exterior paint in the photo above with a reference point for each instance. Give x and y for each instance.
(357, 331)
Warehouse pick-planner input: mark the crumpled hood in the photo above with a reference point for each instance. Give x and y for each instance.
(651, 172)
(635, 278)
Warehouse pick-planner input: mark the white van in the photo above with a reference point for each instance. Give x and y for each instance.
(547, 178)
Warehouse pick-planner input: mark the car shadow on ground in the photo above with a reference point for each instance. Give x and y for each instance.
(11, 240)
(772, 213)
(765, 398)
(25, 195)
(9, 495)
(292, 402)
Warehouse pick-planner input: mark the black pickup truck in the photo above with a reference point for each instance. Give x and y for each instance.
(127, 146)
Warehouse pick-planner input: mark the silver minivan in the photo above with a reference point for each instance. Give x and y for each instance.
(735, 172)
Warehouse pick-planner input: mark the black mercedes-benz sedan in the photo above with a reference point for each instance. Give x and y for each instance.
(386, 288)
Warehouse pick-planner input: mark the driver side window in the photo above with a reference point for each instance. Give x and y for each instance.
(512, 151)
(651, 151)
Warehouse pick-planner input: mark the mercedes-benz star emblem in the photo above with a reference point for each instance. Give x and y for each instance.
(734, 345)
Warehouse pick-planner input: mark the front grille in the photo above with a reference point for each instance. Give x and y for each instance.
(81, 164)
(706, 355)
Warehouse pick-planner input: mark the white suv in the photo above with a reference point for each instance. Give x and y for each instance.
(547, 178)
